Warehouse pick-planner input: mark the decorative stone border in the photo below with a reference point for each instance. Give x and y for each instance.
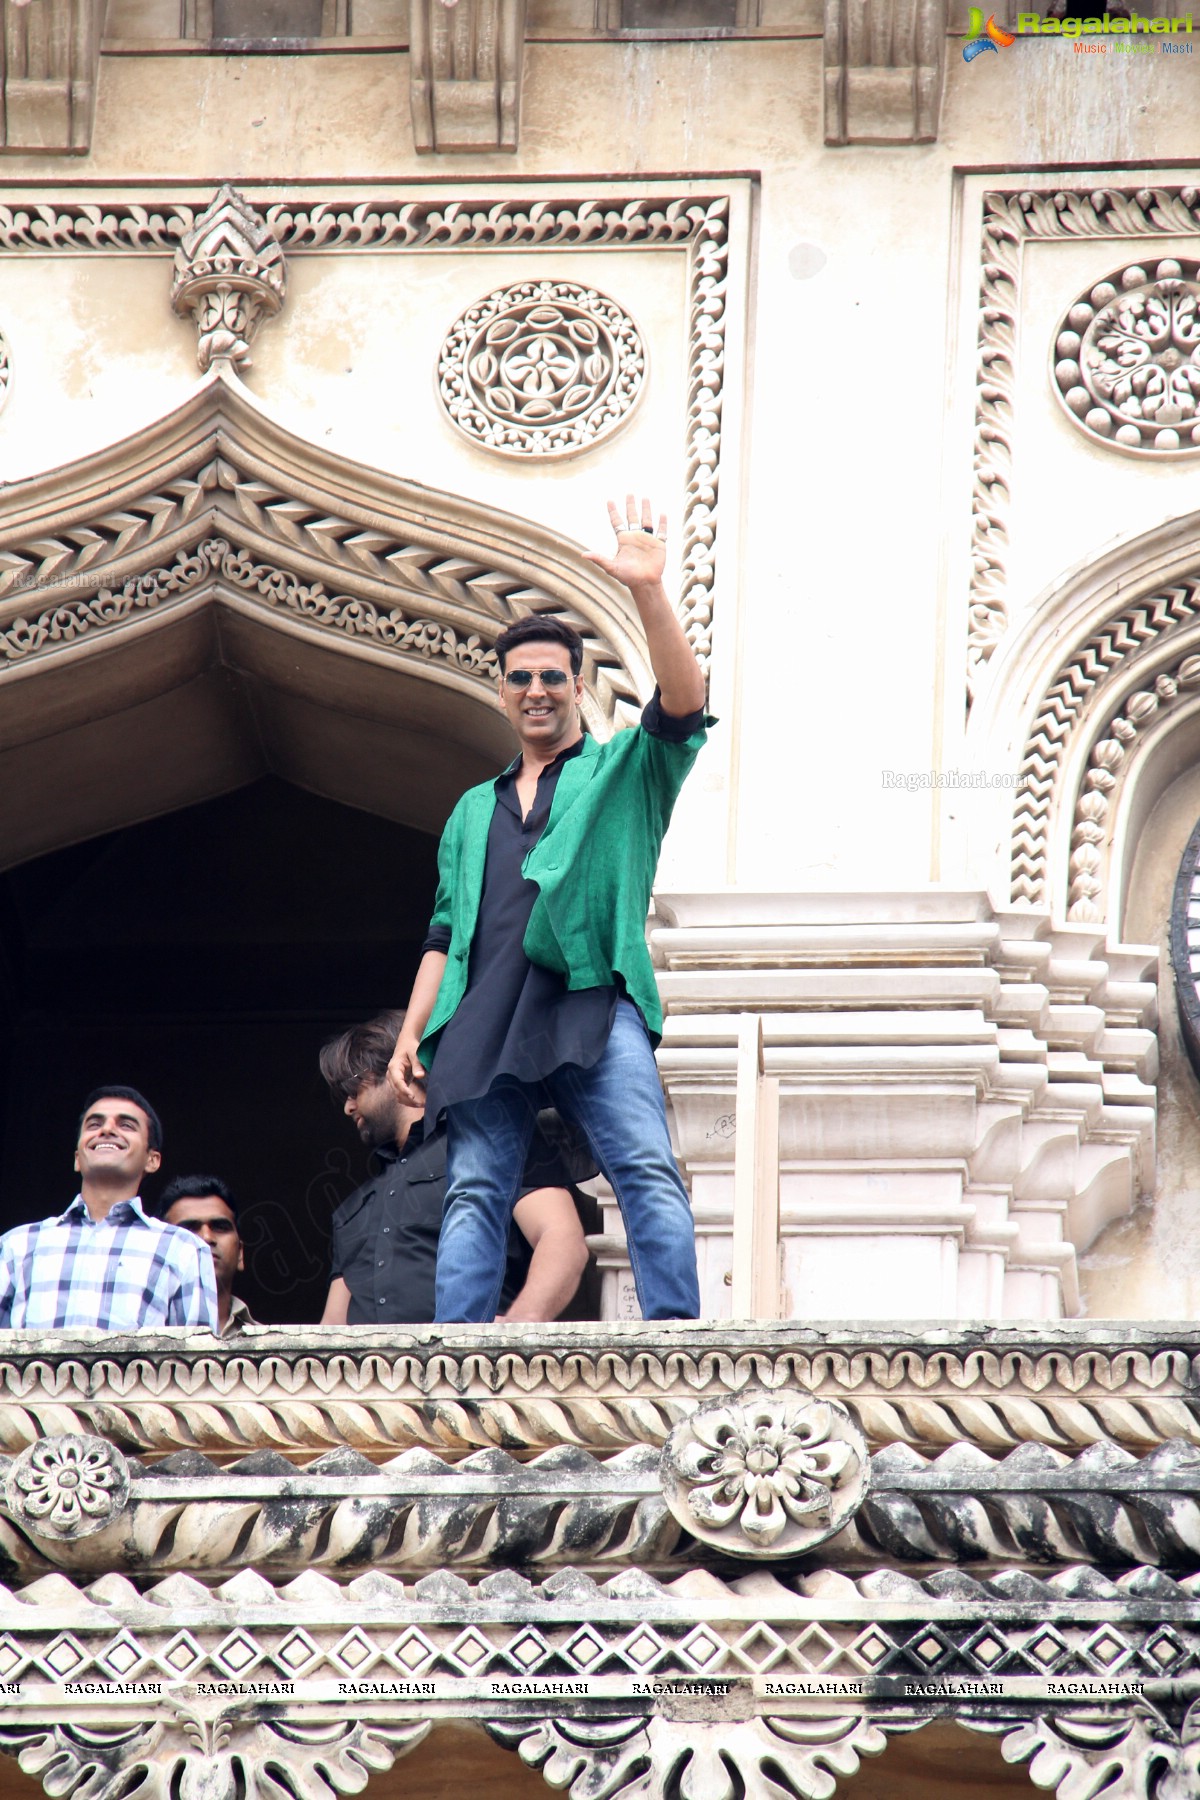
(631, 1677)
(315, 1389)
(1074, 692)
(1012, 217)
(694, 222)
(419, 1511)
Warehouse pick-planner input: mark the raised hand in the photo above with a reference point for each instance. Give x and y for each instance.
(641, 552)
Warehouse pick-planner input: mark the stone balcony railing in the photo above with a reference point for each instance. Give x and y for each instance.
(658, 1560)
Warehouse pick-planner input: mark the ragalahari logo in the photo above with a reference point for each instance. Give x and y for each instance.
(981, 37)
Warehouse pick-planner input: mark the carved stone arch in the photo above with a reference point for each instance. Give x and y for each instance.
(307, 616)
(1086, 714)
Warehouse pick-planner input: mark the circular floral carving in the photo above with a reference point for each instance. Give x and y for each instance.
(1127, 359)
(543, 368)
(773, 1475)
(67, 1487)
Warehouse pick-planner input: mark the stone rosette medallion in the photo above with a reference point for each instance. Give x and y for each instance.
(1126, 360)
(542, 368)
(66, 1487)
(769, 1476)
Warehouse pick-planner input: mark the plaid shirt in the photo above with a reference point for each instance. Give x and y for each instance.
(118, 1273)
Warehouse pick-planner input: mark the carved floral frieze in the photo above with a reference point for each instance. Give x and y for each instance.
(777, 1473)
(1012, 219)
(695, 223)
(1127, 359)
(1073, 1573)
(66, 1487)
(768, 1478)
(541, 368)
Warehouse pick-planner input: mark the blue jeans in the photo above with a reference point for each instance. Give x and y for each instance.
(618, 1104)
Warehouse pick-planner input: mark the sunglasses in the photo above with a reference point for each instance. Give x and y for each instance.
(549, 678)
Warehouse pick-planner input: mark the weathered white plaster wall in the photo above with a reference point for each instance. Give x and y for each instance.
(849, 653)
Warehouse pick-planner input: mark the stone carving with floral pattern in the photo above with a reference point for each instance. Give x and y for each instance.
(66, 1487)
(542, 368)
(1127, 362)
(650, 1758)
(210, 1758)
(765, 1476)
(229, 276)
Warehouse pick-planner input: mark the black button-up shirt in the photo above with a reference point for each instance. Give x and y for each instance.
(385, 1236)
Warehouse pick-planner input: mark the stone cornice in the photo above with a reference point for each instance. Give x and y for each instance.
(601, 1388)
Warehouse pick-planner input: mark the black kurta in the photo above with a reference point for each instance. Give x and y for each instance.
(516, 1019)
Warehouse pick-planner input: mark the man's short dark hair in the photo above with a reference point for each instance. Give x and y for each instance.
(195, 1187)
(115, 1091)
(539, 628)
(360, 1054)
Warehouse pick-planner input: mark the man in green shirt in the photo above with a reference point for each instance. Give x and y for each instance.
(536, 984)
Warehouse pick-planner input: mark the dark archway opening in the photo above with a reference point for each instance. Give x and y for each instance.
(203, 957)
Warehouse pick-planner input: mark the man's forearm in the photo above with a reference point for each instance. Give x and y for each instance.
(559, 1259)
(424, 994)
(678, 674)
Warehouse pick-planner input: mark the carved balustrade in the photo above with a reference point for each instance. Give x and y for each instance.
(642, 1555)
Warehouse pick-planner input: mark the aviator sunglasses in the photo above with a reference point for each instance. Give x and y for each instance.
(549, 678)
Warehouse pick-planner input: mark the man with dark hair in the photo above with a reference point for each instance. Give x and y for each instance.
(385, 1236)
(536, 978)
(205, 1206)
(104, 1262)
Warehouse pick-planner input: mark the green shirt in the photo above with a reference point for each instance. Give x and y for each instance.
(594, 866)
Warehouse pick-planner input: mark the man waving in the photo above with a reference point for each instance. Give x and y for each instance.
(536, 982)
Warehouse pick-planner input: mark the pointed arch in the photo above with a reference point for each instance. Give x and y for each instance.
(217, 557)
(1085, 715)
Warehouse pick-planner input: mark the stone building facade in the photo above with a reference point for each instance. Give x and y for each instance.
(326, 327)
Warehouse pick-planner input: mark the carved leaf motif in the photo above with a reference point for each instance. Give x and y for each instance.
(1133, 1755)
(651, 1759)
(206, 1759)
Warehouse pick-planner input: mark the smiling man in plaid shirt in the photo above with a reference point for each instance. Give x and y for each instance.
(103, 1262)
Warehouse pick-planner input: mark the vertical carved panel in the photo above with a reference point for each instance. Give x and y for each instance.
(466, 63)
(51, 61)
(884, 70)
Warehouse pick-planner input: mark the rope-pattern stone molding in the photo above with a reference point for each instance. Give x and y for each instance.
(1070, 699)
(696, 224)
(314, 1390)
(1012, 218)
(1107, 766)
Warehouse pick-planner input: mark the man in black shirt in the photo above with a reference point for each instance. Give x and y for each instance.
(385, 1235)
